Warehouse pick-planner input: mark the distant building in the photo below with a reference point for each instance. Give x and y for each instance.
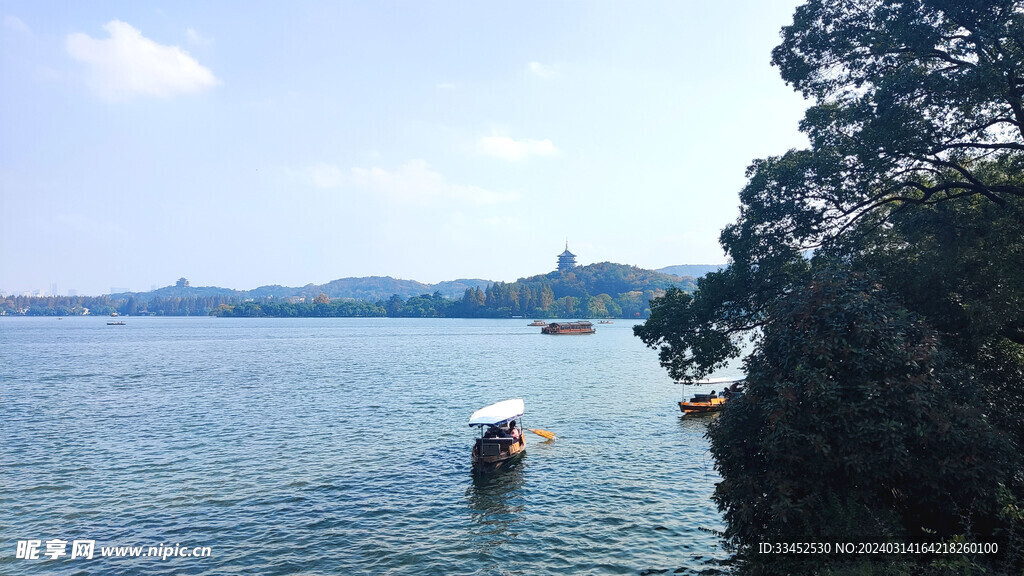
(566, 260)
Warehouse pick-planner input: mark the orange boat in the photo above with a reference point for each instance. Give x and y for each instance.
(703, 403)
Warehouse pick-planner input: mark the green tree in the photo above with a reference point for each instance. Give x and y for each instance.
(914, 184)
(547, 297)
(394, 305)
(846, 434)
(909, 95)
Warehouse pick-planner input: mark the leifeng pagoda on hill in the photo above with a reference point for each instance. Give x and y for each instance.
(566, 260)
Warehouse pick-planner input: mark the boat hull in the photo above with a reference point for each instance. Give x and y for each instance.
(714, 405)
(556, 328)
(495, 453)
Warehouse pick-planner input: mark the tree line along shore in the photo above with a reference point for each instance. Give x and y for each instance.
(604, 290)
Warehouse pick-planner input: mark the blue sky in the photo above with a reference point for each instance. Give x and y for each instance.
(243, 144)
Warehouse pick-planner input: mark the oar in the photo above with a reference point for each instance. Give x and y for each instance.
(544, 433)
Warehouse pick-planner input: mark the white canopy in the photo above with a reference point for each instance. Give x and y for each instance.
(497, 414)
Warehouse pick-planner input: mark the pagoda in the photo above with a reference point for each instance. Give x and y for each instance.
(566, 260)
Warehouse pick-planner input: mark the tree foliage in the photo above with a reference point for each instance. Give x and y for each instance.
(880, 275)
(915, 102)
(846, 433)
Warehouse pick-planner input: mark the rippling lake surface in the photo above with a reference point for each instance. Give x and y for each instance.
(335, 446)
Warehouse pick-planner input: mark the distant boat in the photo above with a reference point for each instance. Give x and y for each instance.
(568, 328)
(115, 323)
(606, 322)
(538, 323)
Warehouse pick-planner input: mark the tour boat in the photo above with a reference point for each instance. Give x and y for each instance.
(538, 323)
(501, 436)
(702, 403)
(568, 328)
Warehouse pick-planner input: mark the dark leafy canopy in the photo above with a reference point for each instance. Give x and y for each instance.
(847, 421)
(910, 96)
(917, 103)
(880, 274)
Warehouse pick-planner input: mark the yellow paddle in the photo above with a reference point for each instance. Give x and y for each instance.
(544, 433)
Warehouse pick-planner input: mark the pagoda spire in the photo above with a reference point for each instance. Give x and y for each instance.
(566, 260)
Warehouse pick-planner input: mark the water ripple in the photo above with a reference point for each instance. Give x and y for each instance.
(340, 446)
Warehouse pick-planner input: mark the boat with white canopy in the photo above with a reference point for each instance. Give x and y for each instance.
(501, 436)
(703, 403)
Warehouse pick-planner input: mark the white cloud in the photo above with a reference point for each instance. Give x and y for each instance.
(128, 64)
(15, 24)
(509, 149)
(542, 70)
(326, 176)
(415, 181)
(197, 39)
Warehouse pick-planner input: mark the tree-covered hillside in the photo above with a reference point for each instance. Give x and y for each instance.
(371, 288)
(603, 290)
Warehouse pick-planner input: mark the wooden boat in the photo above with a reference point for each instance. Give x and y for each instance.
(569, 328)
(501, 436)
(538, 323)
(702, 403)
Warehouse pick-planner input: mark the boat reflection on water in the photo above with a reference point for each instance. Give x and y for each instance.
(496, 500)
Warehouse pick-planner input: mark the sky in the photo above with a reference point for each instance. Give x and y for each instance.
(246, 144)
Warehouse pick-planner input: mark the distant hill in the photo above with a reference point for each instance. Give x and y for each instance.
(376, 288)
(372, 288)
(602, 290)
(456, 288)
(608, 278)
(601, 278)
(180, 292)
(690, 270)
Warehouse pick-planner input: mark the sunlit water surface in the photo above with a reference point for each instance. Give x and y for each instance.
(333, 446)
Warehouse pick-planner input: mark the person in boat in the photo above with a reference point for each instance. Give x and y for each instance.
(513, 431)
(732, 391)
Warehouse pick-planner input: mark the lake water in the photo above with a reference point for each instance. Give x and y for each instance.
(336, 446)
